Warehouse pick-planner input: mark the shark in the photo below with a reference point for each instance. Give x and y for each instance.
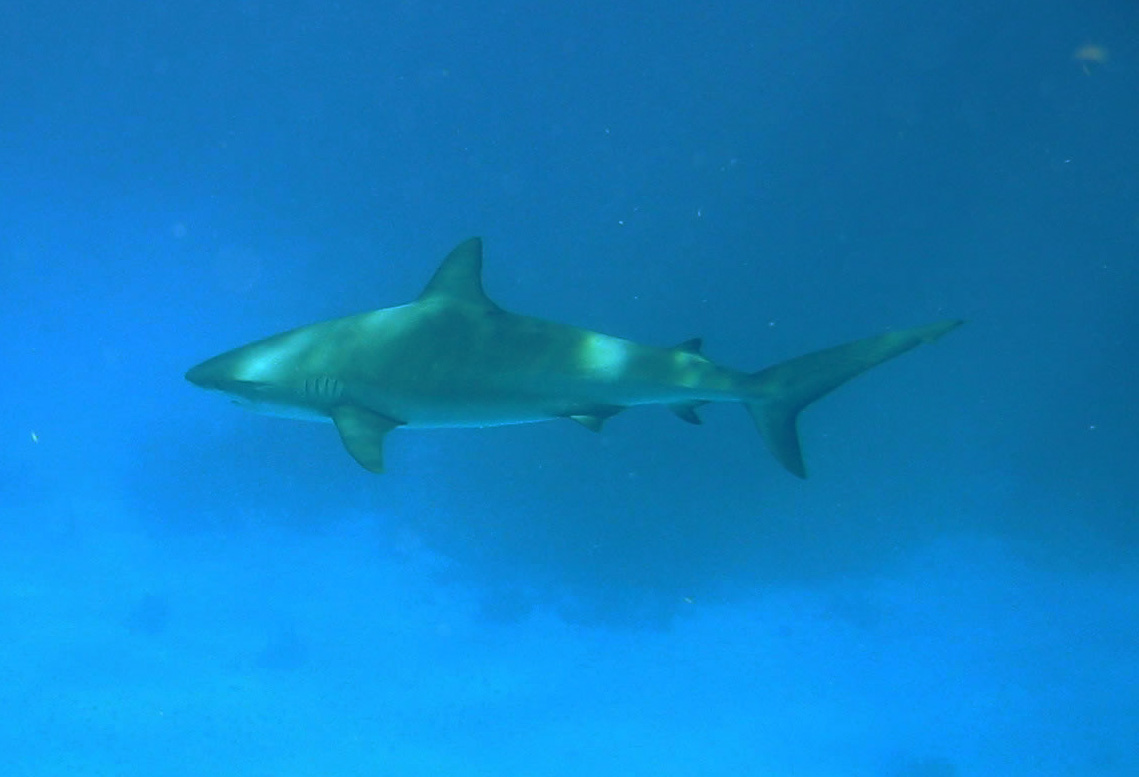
(454, 358)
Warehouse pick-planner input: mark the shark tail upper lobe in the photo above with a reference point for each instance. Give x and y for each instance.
(781, 392)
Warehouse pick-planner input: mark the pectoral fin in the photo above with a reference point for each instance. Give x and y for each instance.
(686, 411)
(593, 418)
(362, 433)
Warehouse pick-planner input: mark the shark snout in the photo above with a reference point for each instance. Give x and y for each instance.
(202, 375)
(196, 375)
(213, 373)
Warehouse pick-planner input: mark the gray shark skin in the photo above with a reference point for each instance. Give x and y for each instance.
(454, 358)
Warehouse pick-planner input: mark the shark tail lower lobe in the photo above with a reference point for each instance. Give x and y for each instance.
(778, 394)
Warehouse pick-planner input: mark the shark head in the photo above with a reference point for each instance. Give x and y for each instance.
(230, 376)
(265, 377)
(221, 373)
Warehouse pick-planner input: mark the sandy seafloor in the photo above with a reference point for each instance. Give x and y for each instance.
(224, 654)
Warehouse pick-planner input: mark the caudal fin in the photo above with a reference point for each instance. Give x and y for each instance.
(782, 391)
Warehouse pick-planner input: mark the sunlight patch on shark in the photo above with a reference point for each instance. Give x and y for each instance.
(604, 356)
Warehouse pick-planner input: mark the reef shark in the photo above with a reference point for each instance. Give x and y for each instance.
(453, 358)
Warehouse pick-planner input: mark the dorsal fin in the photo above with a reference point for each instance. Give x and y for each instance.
(690, 346)
(459, 277)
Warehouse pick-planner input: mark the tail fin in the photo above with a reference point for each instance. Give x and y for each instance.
(782, 391)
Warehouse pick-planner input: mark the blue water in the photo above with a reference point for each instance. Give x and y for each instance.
(186, 589)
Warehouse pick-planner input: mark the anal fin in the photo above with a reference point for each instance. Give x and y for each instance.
(362, 432)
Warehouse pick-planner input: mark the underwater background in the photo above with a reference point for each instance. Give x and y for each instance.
(188, 589)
